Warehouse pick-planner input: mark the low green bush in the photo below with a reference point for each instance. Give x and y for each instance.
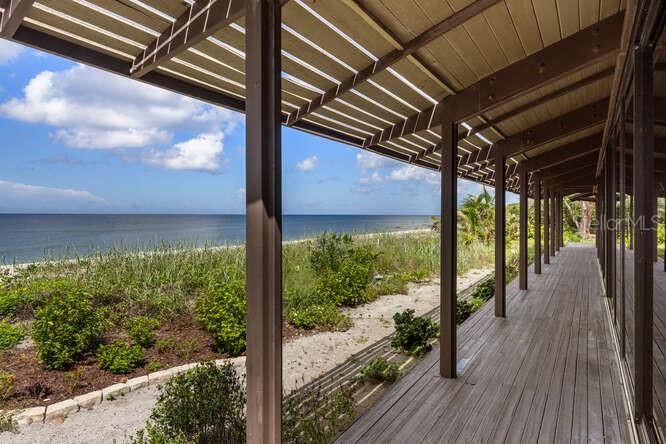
(303, 310)
(413, 333)
(65, 327)
(10, 335)
(329, 250)
(485, 290)
(21, 301)
(142, 330)
(313, 416)
(205, 405)
(379, 369)
(119, 357)
(347, 285)
(464, 310)
(221, 308)
(7, 384)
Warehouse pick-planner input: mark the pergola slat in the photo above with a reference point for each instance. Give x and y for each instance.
(570, 54)
(14, 12)
(392, 57)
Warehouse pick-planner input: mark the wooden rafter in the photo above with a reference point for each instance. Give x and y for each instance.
(561, 126)
(526, 107)
(571, 54)
(564, 153)
(392, 57)
(199, 21)
(13, 15)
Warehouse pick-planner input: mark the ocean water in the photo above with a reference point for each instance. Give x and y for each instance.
(31, 237)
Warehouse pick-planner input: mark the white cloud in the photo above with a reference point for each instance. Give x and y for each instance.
(414, 173)
(372, 179)
(201, 153)
(307, 164)
(366, 161)
(9, 51)
(97, 110)
(15, 192)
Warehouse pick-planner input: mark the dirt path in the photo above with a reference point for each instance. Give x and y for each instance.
(304, 359)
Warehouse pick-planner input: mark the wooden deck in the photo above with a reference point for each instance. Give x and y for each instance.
(548, 372)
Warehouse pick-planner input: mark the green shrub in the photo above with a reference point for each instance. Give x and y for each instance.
(329, 250)
(10, 335)
(412, 333)
(464, 310)
(221, 310)
(119, 357)
(7, 384)
(142, 330)
(347, 286)
(485, 290)
(154, 366)
(64, 328)
(379, 369)
(303, 310)
(312, 416)
(204, 405)
(22, 301)
(166, 345)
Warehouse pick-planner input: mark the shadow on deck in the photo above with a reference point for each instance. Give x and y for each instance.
(549, 371)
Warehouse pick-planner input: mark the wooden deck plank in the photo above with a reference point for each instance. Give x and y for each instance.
(548, 372)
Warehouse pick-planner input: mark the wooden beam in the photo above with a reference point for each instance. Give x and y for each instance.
(13, 15)
(264, 222)
(564, 153)
(199, 21)
(526, 107)
(393, 57)
(573, 53)
(500, 238)
(564, 125)
(448, 259)
(522, 241)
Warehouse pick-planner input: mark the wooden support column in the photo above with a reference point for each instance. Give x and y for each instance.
(500, 235)
(561, 236)
(537, 223)
(264, 222)
(632, 216)
(643, 191)
(558, 222)
(448, 290)
(546, 228)
(522, 241)
(553, 223)
(623, 235)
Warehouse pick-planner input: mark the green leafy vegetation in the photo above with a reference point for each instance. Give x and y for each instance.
(412, 333)
(119, 357)
(65, 327)
(221, 310)
(204, 405)
(378, 370)
(10, 335)
(7, 384)
(141, 329)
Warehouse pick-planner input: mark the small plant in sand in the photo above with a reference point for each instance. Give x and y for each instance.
(379, 370)
(7, 422)
(7, 384)
(412, 333)
(119, 357)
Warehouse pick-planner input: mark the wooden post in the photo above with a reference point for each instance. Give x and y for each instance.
(522, 241)
(500, 235)
(558, 222)
(537, 223)
(553, 223)
(632, 217)
(562, 220)
(623, 235)
(546, 227)
(448, 290)
(643, 192)
(264, 221)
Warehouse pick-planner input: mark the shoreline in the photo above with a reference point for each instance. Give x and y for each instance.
(12, 268)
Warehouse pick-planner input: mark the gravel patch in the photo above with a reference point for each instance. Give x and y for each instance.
(304, 359)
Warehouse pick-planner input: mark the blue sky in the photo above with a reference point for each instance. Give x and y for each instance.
(77, 139)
